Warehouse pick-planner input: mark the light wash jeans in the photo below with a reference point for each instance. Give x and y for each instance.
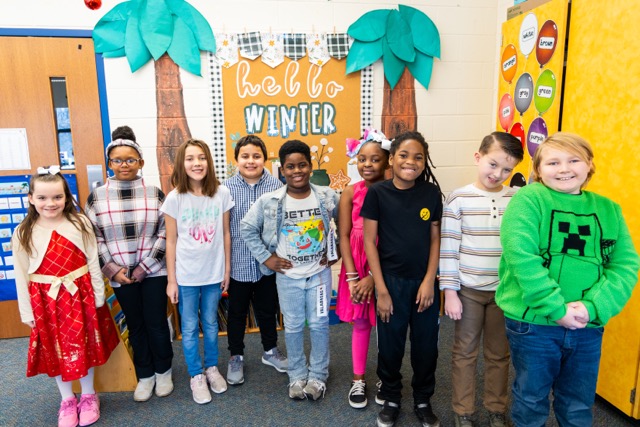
(202, 300)
(553, 358)
(298, 303)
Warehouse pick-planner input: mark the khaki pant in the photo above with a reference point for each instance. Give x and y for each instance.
(480, 313)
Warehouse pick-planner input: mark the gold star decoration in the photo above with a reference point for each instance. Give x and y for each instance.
(338, 180)
(225, 43)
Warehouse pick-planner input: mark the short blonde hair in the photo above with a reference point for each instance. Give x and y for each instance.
(568, 142)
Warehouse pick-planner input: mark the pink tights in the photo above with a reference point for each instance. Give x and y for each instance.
(360, 345)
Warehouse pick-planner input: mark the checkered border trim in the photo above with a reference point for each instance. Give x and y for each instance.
(366, 98)
(218, 141)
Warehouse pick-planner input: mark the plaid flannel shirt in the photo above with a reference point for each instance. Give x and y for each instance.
(129, 228)
(244, 267)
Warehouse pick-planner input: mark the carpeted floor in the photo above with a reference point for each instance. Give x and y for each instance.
(261, 401)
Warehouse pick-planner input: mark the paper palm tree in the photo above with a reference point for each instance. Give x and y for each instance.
(172, 33)
(405, 39)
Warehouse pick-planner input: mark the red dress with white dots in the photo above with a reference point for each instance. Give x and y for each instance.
(70, 335)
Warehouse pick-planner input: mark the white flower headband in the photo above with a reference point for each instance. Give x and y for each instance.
(354, 145)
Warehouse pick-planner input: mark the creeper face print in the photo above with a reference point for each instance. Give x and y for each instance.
(575, 243)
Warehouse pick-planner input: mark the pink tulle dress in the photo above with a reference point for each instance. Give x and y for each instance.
(345, 309)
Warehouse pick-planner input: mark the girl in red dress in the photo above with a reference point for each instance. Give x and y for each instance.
(61, 295)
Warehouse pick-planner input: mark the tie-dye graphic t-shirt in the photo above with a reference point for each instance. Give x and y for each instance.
(200, 246)
(302, 237)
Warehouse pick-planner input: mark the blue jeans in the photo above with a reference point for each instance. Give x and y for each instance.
(553, 358)
(298, 303)
(202, 299)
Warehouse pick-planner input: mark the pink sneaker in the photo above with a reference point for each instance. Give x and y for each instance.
(89, 408)
(68, 413)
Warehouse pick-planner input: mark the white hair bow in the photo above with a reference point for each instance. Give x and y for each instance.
(52, 170)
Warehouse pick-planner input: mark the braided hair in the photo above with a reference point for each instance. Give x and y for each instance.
(427, 174)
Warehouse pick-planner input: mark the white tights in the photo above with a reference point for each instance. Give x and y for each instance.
(86, 384)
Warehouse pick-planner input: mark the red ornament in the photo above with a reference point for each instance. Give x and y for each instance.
(93, 4)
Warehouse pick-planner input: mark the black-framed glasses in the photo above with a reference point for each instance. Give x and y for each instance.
(118, 162)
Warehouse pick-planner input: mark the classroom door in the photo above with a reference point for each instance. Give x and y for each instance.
(49, 86)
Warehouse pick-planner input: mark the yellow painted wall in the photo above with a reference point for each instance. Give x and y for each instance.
(602, 103)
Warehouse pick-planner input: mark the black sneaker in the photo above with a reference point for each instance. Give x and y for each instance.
(426, 416)
(379, 398)
(358, 394)
(389, 414)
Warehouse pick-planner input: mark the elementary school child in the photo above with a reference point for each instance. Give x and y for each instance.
(403, 216)
(248, 284)
(289, 231)
(356, 302)
(198, 260)
(469, 257)
(61, 295)
(130, 229)
(568, 266)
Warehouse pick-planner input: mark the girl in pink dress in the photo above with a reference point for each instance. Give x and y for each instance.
(356, 301)
(61, 295)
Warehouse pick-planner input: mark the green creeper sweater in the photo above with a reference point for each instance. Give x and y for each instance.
(559, 248)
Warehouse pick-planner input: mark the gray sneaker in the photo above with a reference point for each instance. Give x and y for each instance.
(275, 358)
(315, 389)
(235, 370)
(296, 390)
(462, 420)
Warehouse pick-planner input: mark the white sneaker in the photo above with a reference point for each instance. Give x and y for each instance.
(144, 389)
(164, 384)
(216, 382)
(200, 390)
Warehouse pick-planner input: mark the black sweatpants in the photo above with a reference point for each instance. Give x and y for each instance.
(145, 308)
(264, 296)
(423, 333)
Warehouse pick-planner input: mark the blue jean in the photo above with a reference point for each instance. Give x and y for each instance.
(554, 358)
(298, 303)
(199, 304)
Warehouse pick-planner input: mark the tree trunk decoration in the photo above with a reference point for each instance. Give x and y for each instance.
(173, 129)
(399, 111)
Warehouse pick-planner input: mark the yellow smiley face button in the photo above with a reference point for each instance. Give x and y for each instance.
(425, 214)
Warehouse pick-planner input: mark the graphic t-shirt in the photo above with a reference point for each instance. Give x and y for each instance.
(301, 239)
(200, 247)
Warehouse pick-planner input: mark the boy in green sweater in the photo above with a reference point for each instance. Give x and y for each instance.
(568, 266)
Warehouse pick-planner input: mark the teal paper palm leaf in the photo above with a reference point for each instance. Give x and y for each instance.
(146, 29)
(402, 38)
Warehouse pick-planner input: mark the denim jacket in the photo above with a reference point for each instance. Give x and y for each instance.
(260, 226)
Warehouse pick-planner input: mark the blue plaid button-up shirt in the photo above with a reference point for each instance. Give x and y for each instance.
(244, 267)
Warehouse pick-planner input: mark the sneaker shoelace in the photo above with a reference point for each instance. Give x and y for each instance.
(318, 385)
(357, 389)
(86, 403)
(277, 354)
(67, 406)
(235, 363)
(198, 383)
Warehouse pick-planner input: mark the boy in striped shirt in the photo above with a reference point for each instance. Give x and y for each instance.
(469, 257)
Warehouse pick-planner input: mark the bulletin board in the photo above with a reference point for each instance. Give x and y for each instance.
(295, 100)
(530, 82)
(13, 209)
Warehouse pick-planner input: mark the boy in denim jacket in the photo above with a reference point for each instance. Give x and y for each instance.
(289, 232)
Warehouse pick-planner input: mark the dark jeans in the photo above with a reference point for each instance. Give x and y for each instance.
(145, 308)
(264, 296)
(392, 338)
(553, 358)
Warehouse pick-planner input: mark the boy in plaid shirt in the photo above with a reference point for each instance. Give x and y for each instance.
(248, 284)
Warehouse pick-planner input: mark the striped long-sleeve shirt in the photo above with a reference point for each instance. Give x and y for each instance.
(129, 228)
(470, 244)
